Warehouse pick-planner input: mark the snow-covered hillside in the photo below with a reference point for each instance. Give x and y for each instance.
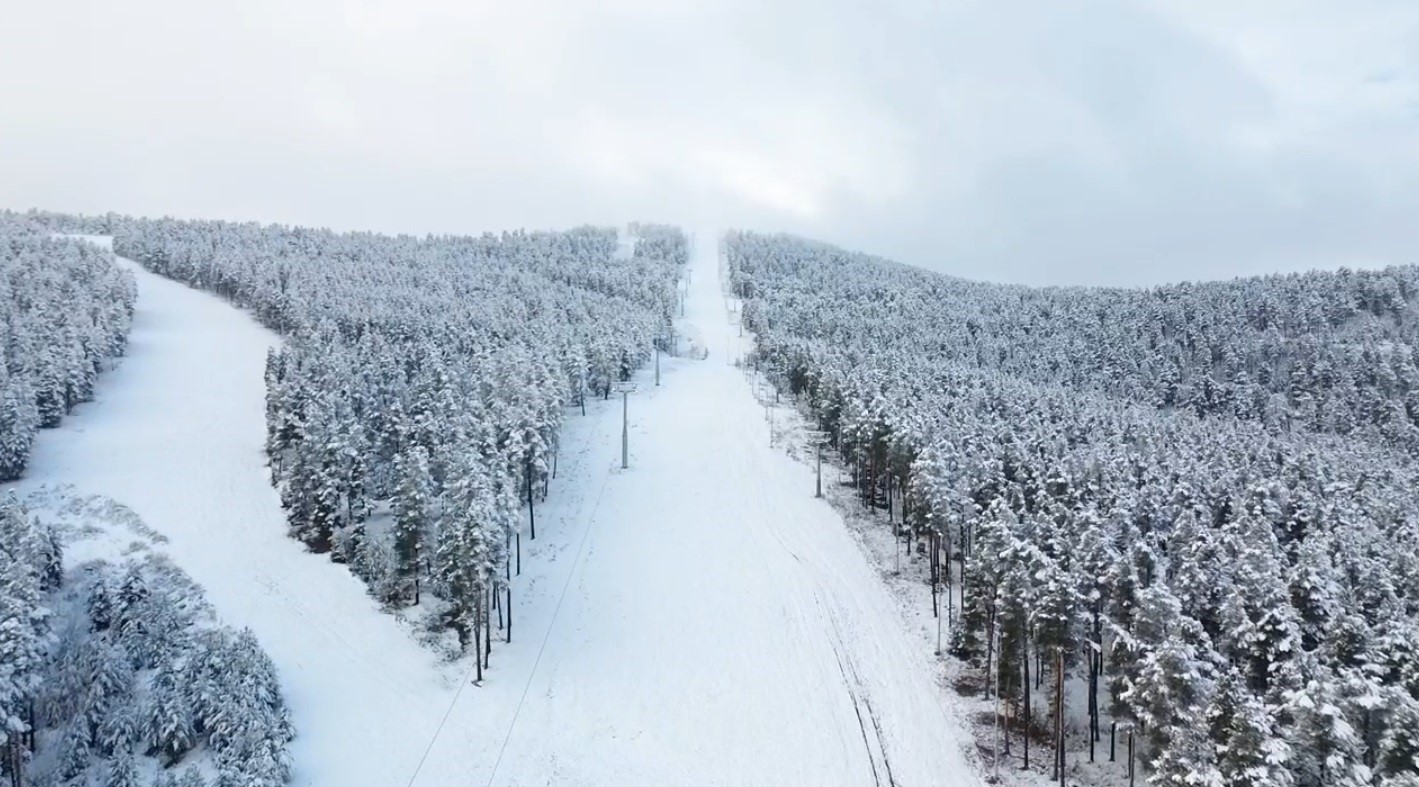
(696, 619)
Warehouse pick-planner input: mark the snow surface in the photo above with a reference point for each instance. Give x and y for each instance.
(697, 619)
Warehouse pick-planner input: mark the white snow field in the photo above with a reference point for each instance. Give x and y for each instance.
(697, 619)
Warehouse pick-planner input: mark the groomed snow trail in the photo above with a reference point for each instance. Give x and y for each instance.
(697, 619)
(719, 624)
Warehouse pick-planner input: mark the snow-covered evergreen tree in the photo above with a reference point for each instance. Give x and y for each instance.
(1251, 749)
(171, 732)
(122, 771)
(412, 510)
(19, 420)
(24, 631)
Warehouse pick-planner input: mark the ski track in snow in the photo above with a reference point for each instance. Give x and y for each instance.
(697, 619)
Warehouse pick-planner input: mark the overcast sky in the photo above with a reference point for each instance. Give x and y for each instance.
(1089, 141)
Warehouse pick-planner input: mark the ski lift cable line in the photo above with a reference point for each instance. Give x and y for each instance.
(461, 683)
(551, 625)
(464, 682)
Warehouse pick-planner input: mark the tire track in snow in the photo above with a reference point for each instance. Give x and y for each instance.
(857, 708)
(851, 680)
(814, 573)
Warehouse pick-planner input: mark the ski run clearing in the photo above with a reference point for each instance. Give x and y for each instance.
(698, 618)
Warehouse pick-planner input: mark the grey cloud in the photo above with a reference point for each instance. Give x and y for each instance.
(1099, 142)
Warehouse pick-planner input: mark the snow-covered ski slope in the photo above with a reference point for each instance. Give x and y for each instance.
(176, 435)
(697, 619)
(719, 624)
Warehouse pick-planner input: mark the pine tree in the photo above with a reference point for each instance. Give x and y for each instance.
(51, 560)
(411, 516)
(1399, 747)
(100, 603)
(1251, 751)
(1171, 692)
(1124, 650)
(133, 618)
(75, 754)
(375, 563)
(1330, 750)
(1267, 631)
(19, 419)
(1052, 619)
(23, 632)
(122, 771)
(49, 383)
(109, 692)
(467, 553)
(119, 730)
(171, 733)
(326, 489)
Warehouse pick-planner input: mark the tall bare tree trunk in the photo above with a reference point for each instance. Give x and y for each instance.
(1059, 714)
(488, 629)
(989, 647)
(531, 512)
(13, 759)
(1029, 708)
(478, 638)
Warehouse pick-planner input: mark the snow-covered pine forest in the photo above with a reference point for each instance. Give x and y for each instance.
(413, 412)
(119, 674)
(1181, 516)
(1192, 509)
(64, 312)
